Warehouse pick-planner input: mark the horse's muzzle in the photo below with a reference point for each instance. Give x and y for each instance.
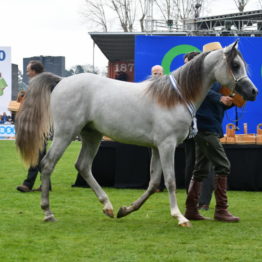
(247, 89)
(254, 93)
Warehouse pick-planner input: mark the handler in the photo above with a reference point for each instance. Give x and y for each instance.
(210, 150)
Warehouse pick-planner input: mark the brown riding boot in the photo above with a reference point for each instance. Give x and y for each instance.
(192, 201)
(221, 212)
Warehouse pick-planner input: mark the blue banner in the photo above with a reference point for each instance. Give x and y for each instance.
(169, 51)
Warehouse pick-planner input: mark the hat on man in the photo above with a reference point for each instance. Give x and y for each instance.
(212, 46)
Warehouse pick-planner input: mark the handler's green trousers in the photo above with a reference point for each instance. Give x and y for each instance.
(209, 150)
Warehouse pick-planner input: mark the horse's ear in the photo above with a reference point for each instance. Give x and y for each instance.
(229, 48)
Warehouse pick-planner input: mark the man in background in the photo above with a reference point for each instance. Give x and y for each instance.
(157, 70)
(33, 68)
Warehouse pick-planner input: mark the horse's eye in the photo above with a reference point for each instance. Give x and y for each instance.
(235, 66)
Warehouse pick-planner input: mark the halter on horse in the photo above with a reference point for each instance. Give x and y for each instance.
(150, 113)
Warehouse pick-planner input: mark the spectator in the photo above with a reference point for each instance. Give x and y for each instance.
(33, 68)
(157, 70)
(4, 117)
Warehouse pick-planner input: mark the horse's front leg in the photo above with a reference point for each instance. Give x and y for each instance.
(167, 157)
(155, 178)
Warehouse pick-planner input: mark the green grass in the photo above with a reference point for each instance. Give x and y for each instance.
(83, 233)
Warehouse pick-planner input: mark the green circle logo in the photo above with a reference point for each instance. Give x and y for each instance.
(173, 53)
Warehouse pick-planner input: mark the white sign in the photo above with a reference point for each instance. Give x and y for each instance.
(5, 79)
(7, 132)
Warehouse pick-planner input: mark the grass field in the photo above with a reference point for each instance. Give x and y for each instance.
(83, 233)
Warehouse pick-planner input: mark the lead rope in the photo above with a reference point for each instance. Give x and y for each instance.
(190, 107)
(236, 121)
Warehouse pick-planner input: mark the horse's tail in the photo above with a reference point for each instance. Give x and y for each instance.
(33, 121)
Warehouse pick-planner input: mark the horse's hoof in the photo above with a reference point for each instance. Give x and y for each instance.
(185, 224)
(108, 212)
(50, 218)
(121, 212)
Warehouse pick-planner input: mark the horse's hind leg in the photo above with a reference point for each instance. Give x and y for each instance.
(47, 165)
(90, 144)
(155, 178)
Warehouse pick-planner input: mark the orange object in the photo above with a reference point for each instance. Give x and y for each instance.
(259, 134)
(230, 130)
(246, 138)
(259, 129)
(223, 140)
(245, 128)
(230, 137)
(238, 100)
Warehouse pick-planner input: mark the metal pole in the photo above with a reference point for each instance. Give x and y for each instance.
(149, 15)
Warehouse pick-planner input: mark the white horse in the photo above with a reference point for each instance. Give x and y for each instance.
(156, 113)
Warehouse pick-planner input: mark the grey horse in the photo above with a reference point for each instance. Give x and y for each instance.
(156, 113)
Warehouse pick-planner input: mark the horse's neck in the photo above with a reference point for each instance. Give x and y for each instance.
(211, 63)
(208, 76)
(207, 83)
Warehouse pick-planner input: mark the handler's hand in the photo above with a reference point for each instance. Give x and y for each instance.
(226, 100)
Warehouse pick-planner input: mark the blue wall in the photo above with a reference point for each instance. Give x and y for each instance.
(168, 51)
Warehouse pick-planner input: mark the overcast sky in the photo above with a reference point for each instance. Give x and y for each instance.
(57, 28)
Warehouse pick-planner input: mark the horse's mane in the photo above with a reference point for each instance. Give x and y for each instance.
(189, 80)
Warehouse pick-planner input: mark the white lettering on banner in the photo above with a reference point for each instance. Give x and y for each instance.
(2, 55)
(7, 132)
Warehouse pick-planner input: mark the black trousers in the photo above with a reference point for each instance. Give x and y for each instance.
(33, 171)
(209, 150)
(190, 160)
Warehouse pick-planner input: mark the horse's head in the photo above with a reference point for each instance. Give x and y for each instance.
(232, 72)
